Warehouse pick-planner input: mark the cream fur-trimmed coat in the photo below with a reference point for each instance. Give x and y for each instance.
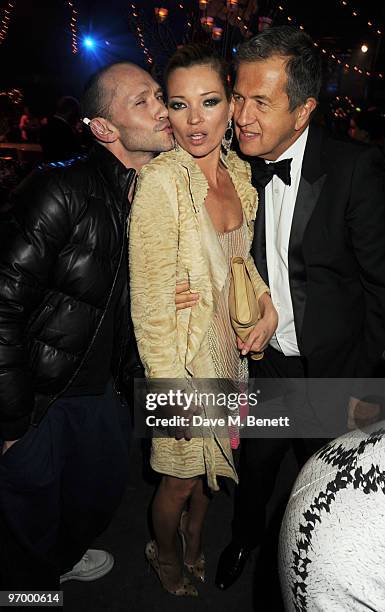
(171, 239)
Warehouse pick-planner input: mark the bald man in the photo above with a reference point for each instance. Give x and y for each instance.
(65, 335)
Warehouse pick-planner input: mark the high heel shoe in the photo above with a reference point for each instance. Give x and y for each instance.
(183, 589)
(197, 569)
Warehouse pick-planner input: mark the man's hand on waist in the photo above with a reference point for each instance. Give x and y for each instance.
(184, 298)
(7, 445)
(362, 413)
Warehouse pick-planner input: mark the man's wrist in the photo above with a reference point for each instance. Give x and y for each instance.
(7, 445)
(264, 303)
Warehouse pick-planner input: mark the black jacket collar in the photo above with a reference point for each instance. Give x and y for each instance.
(312, 167)
(118, 177)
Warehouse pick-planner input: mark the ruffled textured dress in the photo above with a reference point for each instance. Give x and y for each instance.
(222, 338)
(171, 239)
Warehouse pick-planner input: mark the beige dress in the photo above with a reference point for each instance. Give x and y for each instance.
(223, 344)
(171, 239)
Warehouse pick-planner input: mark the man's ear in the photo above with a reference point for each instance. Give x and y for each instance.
(103, 130)
(304, 111)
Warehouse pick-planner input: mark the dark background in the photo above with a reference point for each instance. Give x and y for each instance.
(37, 53)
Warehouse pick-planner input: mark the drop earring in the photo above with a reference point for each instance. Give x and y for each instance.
(228, 137)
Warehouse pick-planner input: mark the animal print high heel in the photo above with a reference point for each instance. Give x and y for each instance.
(184, 589)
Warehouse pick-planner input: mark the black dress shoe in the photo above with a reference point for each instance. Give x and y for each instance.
(231, 564)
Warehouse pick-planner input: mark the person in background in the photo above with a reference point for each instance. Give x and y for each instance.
(368, 126)
(29, 126)
(60, 138)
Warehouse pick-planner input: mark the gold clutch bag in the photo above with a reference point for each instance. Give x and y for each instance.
(243, 303)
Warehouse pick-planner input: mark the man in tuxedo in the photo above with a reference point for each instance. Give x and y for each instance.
(318, 243)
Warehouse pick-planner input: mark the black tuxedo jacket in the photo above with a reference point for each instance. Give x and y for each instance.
(336, 257)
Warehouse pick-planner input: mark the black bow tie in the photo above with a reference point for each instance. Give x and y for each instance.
(262, 173)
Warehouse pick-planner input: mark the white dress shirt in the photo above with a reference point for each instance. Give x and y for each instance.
(279, 208)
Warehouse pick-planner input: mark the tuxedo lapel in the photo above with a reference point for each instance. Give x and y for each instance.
(258, 247)
(305, 203)
(310, 186)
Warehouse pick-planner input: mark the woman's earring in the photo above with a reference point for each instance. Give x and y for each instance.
(176, 146)
(228, 137)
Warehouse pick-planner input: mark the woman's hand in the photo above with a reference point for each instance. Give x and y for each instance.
(184, 428)
(262, 333)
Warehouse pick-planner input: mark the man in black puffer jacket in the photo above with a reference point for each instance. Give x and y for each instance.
(65, 335)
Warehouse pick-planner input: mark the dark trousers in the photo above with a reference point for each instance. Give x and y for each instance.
(59, 487)
(261, 458)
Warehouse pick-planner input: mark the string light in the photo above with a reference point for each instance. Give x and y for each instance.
(161, 14)
(342, 107)
(74, 26)
(15, 95)
(331, 56)
(234, 15)
(139, 33)
(217, 33)
(4, 24)
(370, 23)
(207, 23)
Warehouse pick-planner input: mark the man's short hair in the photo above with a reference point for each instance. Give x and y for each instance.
(97, 99)
(303, 68)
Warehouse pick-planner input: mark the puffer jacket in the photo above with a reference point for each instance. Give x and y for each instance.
(59, 259)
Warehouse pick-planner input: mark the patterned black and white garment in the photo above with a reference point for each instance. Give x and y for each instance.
(332, 542)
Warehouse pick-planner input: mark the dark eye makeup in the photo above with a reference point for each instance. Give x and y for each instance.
(209, 102)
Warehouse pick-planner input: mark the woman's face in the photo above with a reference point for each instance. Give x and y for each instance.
(198, 109)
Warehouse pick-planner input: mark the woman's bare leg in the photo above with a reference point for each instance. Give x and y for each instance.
(193, 524)
(167, 506)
